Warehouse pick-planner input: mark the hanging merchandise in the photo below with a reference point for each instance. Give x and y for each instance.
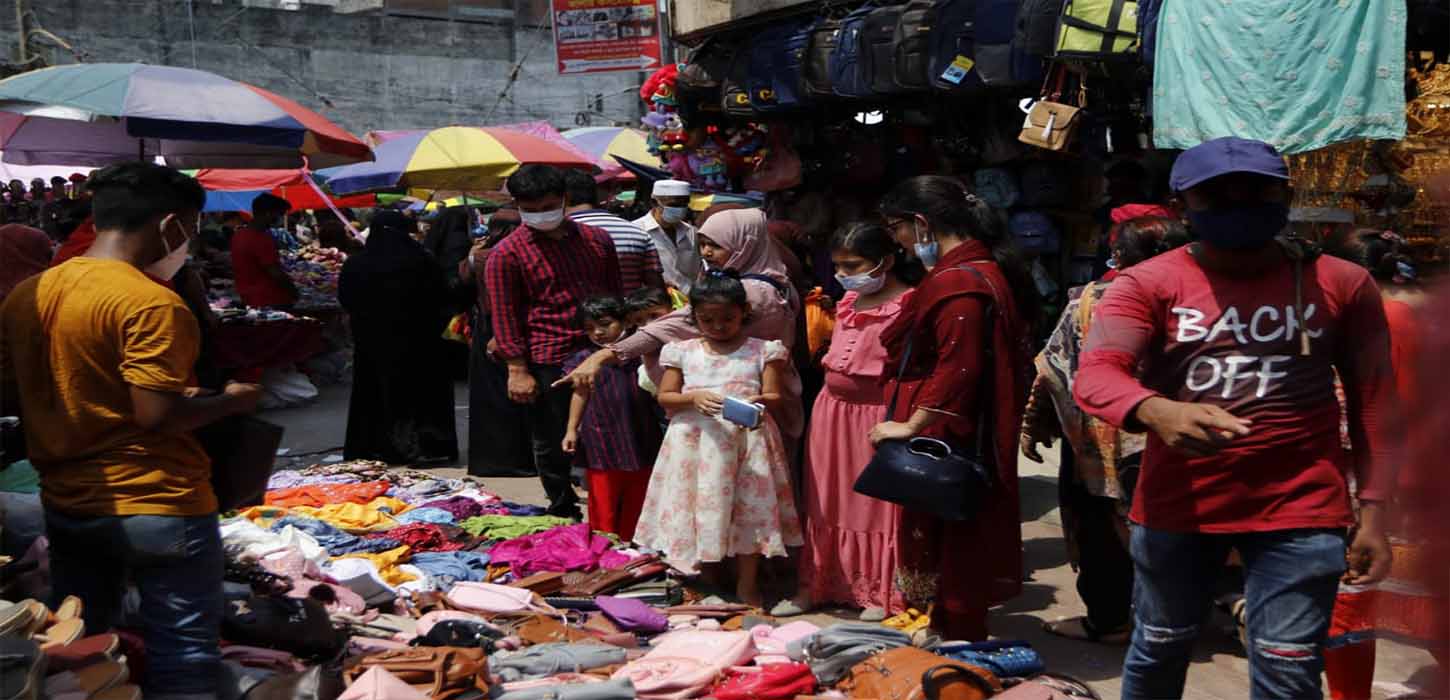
(1045, 184)
(735, 91)
(774, 70)
(997, 187)
(1309, 74)
(1148, 11)
(1037, 22)
(911, 60)
(822, 45)
(1035, 233)
(974, 44)
(1097, 30)
(879, 49)
(1050, 123)
(848, 77)
(700, 81)
(778, 167)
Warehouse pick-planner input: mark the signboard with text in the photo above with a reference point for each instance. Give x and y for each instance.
(601, 36)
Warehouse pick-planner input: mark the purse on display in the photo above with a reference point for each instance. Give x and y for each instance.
(926, 474)
(1051, 123)
(242, 450)
(439, 672)
(909, 672)
(602, 581)
(1005, 659)
(1050, 687)
(768, 682)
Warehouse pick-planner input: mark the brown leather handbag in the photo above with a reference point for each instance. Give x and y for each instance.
(1051, 123)
(908, 673)
(543, 583)
(438, 672)
(603, 581)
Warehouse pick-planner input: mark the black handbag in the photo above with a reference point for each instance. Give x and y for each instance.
(242, 450)
(927, 474)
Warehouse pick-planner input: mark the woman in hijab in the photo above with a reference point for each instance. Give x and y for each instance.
(25, 251)
(402, 398)
(739, 237)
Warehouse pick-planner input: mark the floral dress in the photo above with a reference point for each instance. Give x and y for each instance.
(719, 490)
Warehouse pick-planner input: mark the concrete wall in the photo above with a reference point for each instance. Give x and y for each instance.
(364, 70)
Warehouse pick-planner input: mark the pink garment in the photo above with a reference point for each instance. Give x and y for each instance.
(378, 684)
(305, 576)
(850, 540)
(771, 642)
(684, 664)
(568, 548)
(568, 678)
(746, 234)
(490, 597)
(718, 490)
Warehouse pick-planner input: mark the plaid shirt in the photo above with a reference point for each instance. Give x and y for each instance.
(535, 285)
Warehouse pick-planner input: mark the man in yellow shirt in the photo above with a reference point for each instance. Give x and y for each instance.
(100, 355)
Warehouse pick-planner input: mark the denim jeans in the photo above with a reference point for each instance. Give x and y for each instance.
(1290, 579)
(177, 565)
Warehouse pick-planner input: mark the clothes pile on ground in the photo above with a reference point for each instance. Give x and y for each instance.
(314, 270)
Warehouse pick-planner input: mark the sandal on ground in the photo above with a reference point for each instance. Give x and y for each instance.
(1081, 629)
(873, 614)
(60, 634)
(89, 680)
(790, 608)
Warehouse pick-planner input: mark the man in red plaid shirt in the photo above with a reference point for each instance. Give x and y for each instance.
(535, 280)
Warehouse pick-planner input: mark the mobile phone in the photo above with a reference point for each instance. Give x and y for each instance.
(742, 413)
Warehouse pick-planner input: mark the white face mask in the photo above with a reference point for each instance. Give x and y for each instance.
(167, 267)
(863, 283)
(672, 215)
(543, 220)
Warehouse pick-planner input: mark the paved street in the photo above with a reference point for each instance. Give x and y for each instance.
(1219, 671)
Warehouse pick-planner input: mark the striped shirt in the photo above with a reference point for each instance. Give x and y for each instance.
(608, 438)
(535, 285)
(639, 262)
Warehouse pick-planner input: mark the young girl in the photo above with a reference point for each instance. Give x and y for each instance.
(607, 433)
(720, 490)
(850, 539)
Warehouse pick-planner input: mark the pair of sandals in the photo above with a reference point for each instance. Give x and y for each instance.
(43, 654)
(30, 619)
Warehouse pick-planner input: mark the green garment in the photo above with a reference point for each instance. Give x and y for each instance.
(20, 477)
(507, 527)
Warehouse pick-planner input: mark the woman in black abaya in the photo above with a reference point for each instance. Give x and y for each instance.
(402, 397)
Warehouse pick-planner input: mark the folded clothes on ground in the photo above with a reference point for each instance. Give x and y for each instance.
(507, 527)
(544, 660)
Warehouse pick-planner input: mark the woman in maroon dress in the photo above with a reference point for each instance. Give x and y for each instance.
(969, 354)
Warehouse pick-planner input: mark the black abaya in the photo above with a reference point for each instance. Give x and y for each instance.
(401, 410)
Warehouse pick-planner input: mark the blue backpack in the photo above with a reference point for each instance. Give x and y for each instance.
(1035, 233)
(848, 77)
(777, 65)
(974, 46)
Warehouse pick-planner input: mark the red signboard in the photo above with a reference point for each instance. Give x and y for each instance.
(600, 36)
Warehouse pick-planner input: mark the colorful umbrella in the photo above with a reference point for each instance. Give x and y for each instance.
(234, 190)
(101, 113)
(458, 158)
(604, 142)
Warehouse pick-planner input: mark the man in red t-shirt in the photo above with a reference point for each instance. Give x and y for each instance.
(1226, 351)
(261, 281)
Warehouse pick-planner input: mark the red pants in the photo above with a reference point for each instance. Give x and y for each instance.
(616, 499)
(1350, 668)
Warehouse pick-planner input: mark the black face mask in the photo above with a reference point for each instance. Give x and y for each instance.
(1239, 228)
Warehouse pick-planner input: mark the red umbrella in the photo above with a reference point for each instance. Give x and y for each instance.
(233, 190)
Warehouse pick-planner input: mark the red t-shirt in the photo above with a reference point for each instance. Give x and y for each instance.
(1169, 328)
(253, 251)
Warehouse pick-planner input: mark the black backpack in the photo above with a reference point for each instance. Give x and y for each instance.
(848, 79)
(816, 78)
(790, 77)
(953, 37)
(1037, 27)
(878, 49)
(775, 68)
(735, 92)
(913, 45)
(701, 80)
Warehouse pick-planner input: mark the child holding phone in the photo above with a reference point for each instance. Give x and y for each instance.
(720, 490)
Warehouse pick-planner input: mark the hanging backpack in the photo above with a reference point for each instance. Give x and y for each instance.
(1037, 27)
(999, 61)
(1098, 30)
(997, 187)
(1045, 185)
(953, 43)
(822, 45)
(699, 82)
(847, 77)
(735, 92)
(767, 51)
(789, 75)
(878, 49)
(911, 63)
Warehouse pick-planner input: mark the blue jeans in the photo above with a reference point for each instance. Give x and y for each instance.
(177, 565)
(1290, 580)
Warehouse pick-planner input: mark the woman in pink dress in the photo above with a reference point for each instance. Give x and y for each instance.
(850, 540)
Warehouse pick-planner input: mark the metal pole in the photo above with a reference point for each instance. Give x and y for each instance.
(23, 56)
(191, 22)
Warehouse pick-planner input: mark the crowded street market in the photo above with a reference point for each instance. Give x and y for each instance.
(891, 350)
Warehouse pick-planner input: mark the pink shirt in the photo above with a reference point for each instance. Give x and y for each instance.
(856, 354)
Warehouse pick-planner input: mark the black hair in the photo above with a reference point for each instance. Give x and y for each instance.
(600, 308)
(646, 298)
(873, 242)
(62, 180)
(64, 216)
(950, 209)
(1371, 249)
(267, 201)
(719, 287)
(128, 195)
(580, 188)
(1146, 236)
(534, 181)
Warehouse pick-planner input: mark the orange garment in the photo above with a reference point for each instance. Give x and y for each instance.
(322, 494)
(76, 338)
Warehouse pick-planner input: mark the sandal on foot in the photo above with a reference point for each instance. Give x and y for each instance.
(1080, 629)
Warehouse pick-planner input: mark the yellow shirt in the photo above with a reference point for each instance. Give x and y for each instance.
(74, 339)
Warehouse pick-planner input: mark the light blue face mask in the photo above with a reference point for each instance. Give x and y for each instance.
(673, 215)
(863, 283)
(926, 251)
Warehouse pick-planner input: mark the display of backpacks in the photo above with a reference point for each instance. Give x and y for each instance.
(766, 55)
(790, 90)
(974, 45)
(848, 79)
(997, 187)
(735, 91)
(912, 44)
(821, 46)
(1096, 30)
(1035, 233)
(953, 42)
(878, 48)
(1045, 184)
(698, 85)
(1037, 27)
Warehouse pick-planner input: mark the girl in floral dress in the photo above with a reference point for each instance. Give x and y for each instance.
(720, 490)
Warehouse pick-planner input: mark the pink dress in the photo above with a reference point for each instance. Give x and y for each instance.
(719, 490)
(850, 539)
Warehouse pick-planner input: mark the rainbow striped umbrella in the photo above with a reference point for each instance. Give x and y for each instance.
(455, 158)
(604, 142)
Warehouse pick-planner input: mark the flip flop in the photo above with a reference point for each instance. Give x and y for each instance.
(788, 608)
(60, 634)
(89, 680)
(69, 609)
(83, 652)
(1085, 632)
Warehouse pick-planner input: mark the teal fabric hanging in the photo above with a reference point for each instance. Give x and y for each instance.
(1298, 74)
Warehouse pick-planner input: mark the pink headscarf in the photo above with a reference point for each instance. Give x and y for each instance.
(745, 233)
(26, 252)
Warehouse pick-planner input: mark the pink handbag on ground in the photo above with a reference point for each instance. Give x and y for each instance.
(685, 664)
(771, 642)
(491, 598)
(1049, 687)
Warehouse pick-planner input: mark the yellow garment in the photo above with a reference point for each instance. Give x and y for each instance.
(263, 516)
(75, 339)
(357, 517)
(387, 563)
